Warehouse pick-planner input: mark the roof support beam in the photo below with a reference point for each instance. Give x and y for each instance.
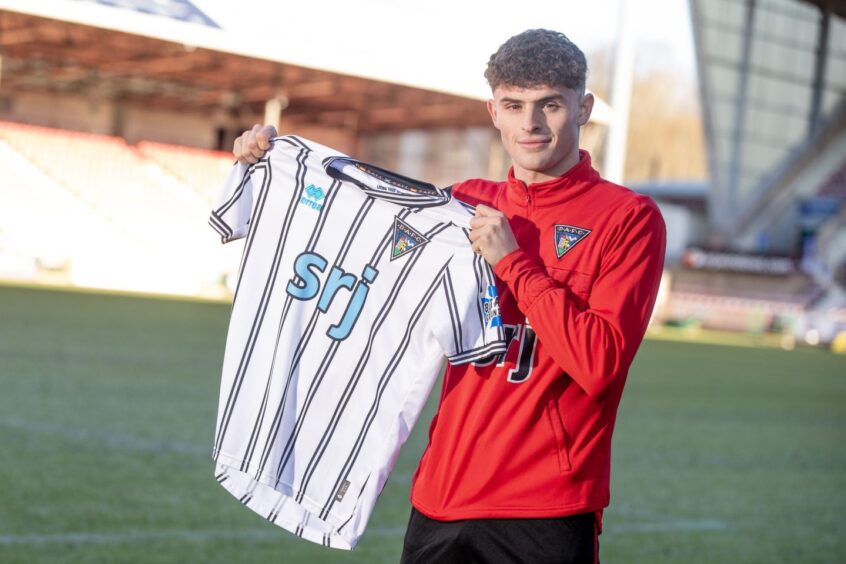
(820, 60)
(740, 108)
(273, 111)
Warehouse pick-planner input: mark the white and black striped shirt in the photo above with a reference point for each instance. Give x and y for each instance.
(354, 284)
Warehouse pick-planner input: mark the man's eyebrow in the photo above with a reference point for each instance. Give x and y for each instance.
(553, 98)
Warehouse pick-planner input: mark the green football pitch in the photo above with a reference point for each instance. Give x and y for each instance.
(107, 411)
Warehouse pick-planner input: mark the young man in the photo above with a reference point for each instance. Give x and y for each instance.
(518, 463)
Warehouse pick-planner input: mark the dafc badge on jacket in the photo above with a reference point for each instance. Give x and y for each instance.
(567, 237)
(406, 239)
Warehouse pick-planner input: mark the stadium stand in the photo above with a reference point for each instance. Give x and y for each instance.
(132, 217)
(34, 211)
(107, 174)
(733, 314)
(737, 292)
(200, 169)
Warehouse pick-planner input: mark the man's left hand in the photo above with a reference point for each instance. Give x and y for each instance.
(491, 236)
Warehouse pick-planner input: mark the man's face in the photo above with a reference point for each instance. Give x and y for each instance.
(540, 128)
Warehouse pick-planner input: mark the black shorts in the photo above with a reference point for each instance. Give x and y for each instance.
(559, 540)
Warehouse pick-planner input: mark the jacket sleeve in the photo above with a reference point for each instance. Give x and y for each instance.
(595, 343)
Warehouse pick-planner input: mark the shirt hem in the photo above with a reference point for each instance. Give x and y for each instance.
(267, 508)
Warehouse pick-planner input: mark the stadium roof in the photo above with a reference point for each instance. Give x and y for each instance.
(180, 10)
(773, 75)
(172, 55)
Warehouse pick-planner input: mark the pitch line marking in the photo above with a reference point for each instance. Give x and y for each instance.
(669, 526)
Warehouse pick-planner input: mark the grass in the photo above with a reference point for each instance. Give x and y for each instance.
(107, 409)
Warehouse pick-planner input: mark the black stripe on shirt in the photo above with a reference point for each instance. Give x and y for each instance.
(352, 383)
(254, 223)
(303, 412)
(270, 283)
(483, 351)
(294, 141)
(221, 229)
(321, 220)
(384, 380)
(466, 206)
(277, 509)
(316, 380)
(236, 384)
(216, 217)
(298, 352)
(221, 210)
(455, 316)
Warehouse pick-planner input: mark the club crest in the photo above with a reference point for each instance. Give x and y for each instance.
(406, 239)
(567, 237)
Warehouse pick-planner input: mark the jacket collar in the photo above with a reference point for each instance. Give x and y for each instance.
(562, 188)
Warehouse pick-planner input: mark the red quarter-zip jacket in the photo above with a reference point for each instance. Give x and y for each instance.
(529, 434)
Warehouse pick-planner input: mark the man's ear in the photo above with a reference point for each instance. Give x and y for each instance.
(491, 104)
(585, 108)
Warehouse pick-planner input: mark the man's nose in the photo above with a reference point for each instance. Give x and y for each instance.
(531, 120)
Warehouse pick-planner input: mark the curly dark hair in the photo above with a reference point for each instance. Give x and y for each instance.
(538, 57)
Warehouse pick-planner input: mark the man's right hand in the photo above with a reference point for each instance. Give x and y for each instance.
(253, 144)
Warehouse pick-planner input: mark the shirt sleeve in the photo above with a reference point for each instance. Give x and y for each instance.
(231, 217)
(594, 343)
(468, 295)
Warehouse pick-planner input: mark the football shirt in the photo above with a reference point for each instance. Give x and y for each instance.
(354, 285)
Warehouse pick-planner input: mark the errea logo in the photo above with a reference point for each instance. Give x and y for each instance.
(313, 196)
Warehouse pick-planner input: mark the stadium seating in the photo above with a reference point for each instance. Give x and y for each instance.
(151, 201)
(755, 315)
(735, 301)
(107, 174)
(202, 170)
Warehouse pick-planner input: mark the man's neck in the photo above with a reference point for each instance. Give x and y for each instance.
(536, 176)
